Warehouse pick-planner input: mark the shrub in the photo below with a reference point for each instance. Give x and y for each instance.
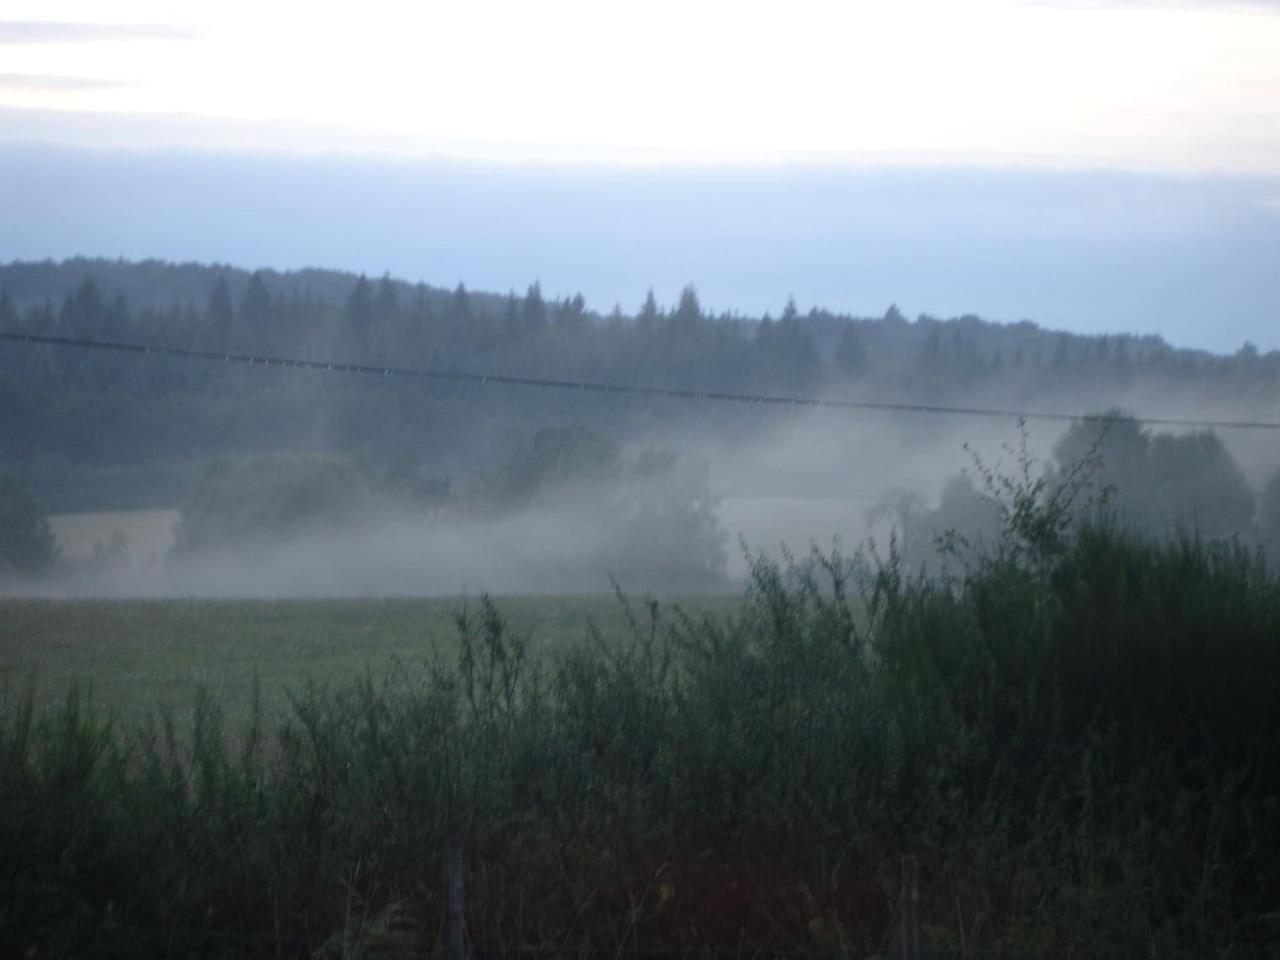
(269, 499)
(27, 546)
(1077, 735)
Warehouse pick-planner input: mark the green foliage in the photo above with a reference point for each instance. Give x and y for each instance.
(264, 500)
(851, 355)
(255, 305)
(651, 518)
(100, 410)
(1077, 736)
(554, 457)
(1163, 482)
(1269, 519)
(26, 543)
(1107, 468)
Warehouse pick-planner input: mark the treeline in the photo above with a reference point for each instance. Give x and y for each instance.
(1160, 485)
(74, 422)
(563, 512)
(260, 303)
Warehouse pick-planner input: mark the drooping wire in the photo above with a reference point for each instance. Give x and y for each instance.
(587, 386)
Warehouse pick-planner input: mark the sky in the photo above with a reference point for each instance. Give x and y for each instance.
(1085, 163)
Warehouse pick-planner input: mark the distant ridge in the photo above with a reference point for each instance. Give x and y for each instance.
(163, 285)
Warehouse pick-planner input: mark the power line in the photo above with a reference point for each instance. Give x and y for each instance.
(587, 386)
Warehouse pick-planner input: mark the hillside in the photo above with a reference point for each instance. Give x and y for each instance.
(93, 431)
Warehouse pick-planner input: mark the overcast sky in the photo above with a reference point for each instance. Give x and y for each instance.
(1181, 98)
(1186, 87)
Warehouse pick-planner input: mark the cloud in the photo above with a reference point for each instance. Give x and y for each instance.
(1218, 6)
(54, 31)
(28, 82)
(1272, 5)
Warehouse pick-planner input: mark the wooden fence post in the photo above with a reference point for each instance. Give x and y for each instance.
(910, 909)
(457, 950)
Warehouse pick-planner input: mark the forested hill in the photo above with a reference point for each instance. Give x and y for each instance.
(196, 292)
(76, 424)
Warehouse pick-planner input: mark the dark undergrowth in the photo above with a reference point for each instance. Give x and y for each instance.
(1078, 737)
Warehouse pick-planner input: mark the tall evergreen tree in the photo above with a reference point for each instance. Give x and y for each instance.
(360, 304)
(573, 314)
(255, 306)
(83, 310)
(115, 320)
(689, 310)
(533, 311)
(8, 312)
(512, 328)
(460, 305)
(851, 355)
(649, 314)
(360, 309)
(220, 311)
(387, 302)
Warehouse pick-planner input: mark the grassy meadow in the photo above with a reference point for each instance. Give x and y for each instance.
(131, 656)
(1076, 733)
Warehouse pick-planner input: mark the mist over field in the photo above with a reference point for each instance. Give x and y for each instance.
(672, 496)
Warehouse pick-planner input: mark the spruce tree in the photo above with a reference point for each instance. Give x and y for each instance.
(220, 312)
(255, 306)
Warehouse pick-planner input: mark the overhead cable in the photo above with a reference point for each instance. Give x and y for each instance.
(587, 386)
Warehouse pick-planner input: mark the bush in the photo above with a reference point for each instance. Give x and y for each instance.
(1077, 736)
(27, 547)
(261, 501)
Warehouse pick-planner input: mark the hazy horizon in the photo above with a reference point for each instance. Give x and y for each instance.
(1189, 258)
(1099, 166)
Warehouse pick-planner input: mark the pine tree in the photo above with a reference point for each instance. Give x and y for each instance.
(83, 311)
(220, 312)
(649, 314)
(460, 305)
(360, 305)
(387, 302)
(458, 317)
(533, 312)
(8, 312)
(851, 356)
(511, 327)
(689, 310)
(115, 320)
(255, 305)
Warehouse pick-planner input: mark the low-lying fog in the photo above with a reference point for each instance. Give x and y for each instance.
(809, 478)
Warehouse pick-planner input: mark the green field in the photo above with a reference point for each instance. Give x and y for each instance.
(1077, 740)
(137, 654)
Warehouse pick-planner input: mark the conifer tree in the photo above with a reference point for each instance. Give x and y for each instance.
(8, 312)
(648, 316)
(689, 310)
(82, 311)
(115, 320)
(851, 356)
(255, 305)
(360, 304)
(387, 302)
(533, 311)
(220, 312)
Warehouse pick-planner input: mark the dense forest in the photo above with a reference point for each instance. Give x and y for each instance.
(88, 418)
(85, 430)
